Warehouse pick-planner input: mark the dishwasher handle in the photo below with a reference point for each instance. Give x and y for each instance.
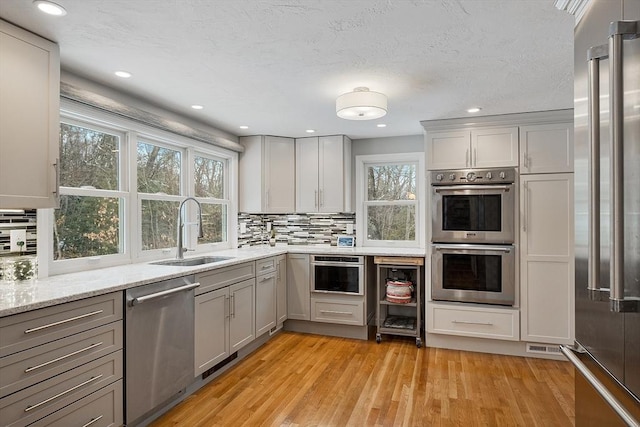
(145, 298)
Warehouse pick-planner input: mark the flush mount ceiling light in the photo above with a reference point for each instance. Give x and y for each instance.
(474, 110)
(361, 104)
(50, 8)
(197, 107)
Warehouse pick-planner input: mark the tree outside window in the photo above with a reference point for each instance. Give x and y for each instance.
(88, 222)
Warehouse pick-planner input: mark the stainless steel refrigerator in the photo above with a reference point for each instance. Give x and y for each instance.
(607, 221)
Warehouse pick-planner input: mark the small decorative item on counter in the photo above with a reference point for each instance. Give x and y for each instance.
(399, 291)
(272, 240)
(19, 269)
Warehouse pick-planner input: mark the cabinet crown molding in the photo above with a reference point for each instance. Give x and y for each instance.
(502, 120)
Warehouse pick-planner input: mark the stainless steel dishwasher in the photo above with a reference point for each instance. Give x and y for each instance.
(159, 345)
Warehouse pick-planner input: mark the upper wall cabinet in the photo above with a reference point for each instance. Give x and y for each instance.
(475, 148)
(546, 148)
(267, 174)
(323, 174)
(29, 119)
(538, 142)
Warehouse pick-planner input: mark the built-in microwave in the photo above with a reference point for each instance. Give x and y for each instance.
(337, 274)
(473, 273)
(473, 206)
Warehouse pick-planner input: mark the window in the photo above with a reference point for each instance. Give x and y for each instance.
(121, 184)
(159, 172)
(89, 220)
(210, 187)
(389, 200)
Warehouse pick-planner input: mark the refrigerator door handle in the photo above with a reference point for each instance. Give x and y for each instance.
(599, 387)
(618, 32)
(594, 56)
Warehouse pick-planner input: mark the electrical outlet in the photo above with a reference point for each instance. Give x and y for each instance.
(268, 226)
(243, 227)
(349, 229)
(16, 236)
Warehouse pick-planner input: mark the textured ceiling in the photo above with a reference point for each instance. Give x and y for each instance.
(278, 65)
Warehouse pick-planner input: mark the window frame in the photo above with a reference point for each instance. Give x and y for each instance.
(131, 133)
(362, 163)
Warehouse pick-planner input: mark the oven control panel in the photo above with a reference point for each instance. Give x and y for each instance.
(473, 176)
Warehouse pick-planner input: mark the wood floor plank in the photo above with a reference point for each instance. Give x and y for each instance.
(308, 380)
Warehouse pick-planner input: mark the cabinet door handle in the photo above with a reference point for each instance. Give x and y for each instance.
(233, 305)
(346, 313)
(57, 359)
(265, 278)
(466, 158)
(467, 322)
(321, 198)
(227, 307)
(525, 216)
(475, 157)
(56, 167)
(315, 198)
(93, 420)
(44, 402)
(62, 322)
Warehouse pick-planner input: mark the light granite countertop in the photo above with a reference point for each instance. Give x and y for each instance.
(20, 297)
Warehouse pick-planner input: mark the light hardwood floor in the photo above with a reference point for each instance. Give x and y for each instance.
(310, 380)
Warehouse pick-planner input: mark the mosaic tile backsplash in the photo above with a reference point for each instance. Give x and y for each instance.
(25, 220)
(294, 229)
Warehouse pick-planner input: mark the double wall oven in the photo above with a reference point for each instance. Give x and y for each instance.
(472, 234)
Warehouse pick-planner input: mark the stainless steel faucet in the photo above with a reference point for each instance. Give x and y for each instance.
(181, 250)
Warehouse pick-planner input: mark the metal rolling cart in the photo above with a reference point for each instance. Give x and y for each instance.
(399, 314)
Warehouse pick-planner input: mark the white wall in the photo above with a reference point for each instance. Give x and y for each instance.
(388, 145)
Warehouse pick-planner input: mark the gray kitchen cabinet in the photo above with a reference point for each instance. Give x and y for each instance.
(224, 314)
(55, 360)
(267, 174)
(546, 148)
(323, 174)
(29, 119)
(472, 148)
(266, 295)
(298, 287)
(281, 289)
(546, 258)
(211, 329)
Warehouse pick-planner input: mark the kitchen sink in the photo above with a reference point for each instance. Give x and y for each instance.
(190, 262)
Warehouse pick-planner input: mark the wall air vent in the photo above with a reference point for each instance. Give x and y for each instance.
(543, 349)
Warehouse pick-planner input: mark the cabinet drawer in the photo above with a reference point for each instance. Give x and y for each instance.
(20, 370)
(267, 265)
(225, 276)
(100, 409)
(333, 311)
(26, 330)
(29, 405)
(474, 322)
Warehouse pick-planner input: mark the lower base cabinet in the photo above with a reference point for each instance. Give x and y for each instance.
(100, 409)
(341, 309)
(474, 321)
(224, 323)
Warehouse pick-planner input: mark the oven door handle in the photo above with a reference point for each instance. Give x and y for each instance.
(336, 264)
(443, 188)
(483, 248)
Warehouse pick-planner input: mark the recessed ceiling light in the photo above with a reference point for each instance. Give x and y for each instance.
(310, 131)
(474, 110)
(123, 74)
(244, 127)
(50, 8)
(197, 107)
(381, 125)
